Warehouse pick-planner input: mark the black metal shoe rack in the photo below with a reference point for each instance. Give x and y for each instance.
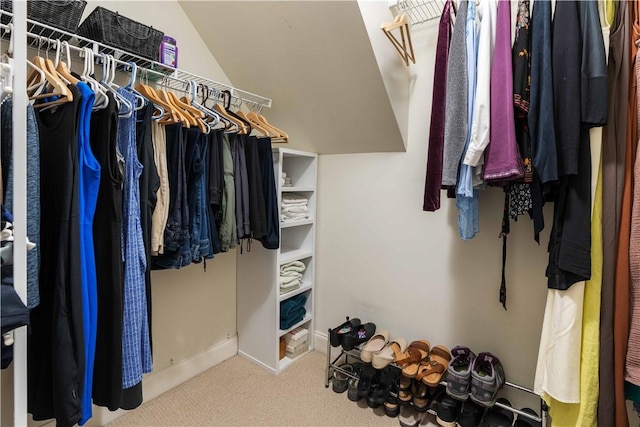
(345, 355)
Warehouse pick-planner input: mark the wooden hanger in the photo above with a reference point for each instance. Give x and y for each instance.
(185, 104)
(257, 126)
(62, 67)
(279, 135)
(405, 46)
(170, 113)
(59, 88)
(221, 110)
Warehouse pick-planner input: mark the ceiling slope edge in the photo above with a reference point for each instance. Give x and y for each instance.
(332, 90)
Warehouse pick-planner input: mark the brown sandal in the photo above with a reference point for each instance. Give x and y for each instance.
(437, 366)
(417, 351)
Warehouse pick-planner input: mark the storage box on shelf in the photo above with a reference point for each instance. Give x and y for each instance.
(345, 356)
(259, 297)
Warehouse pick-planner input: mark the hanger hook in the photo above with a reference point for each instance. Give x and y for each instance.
(11, 40)
(57, 57)
(134, 71)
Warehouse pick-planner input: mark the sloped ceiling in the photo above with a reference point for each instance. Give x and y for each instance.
(315, 61)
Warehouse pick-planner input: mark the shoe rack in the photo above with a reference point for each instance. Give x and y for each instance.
(258, 270)
(348, 356)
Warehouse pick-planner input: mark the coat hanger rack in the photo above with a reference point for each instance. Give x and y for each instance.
(47, 38)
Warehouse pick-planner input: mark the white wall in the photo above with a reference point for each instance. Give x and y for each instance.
(382, 259)
(194, 312)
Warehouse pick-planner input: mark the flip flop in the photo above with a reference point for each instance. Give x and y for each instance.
(439, 359)
(374, 345)
(418, 351)
(389, 353)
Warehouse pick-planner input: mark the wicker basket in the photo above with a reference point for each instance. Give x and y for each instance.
(62, 14)
(115, 30)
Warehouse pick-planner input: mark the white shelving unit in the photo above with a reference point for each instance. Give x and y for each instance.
(258, 291)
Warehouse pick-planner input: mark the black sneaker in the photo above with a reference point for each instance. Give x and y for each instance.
(447, 410)
(352, 392)
(367, 376)
(335, 335)
(471, 414)
(382, 384)
(340, 381)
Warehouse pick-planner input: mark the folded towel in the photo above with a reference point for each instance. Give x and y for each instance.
(296, 316)
(294, 303)
(284, 174)
(291, 283)
(291, 273)
(288, 289)
(287, 279)
(293, 198)
(295, 209)
(293, 266)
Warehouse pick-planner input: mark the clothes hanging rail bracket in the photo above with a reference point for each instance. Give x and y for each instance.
(40, 33)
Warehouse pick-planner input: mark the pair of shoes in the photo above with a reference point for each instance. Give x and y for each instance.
(498, 416)
(381, 386)
(431, 371)
(459, 372)
(374, 345)
(410, 417)
(336, 334)
(487, 378)
(404, 389)
(357, 336)
(471, 415)
(447, 410)
(414, 355)
(341, 377)
(391, 352)
(392, 402)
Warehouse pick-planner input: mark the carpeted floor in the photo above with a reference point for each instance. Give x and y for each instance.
(240, 393)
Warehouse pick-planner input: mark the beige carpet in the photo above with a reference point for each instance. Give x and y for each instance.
(240, 393)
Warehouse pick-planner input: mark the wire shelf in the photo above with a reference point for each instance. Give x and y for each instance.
(420, 11)
(45, 37)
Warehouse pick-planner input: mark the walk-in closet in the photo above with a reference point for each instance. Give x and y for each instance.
(322, 213)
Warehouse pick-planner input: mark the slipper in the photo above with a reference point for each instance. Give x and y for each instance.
(375, 344)
(404, 389)
(357, 336)
(389, 353)
(335, 335)
(439, 359)
(418, 351)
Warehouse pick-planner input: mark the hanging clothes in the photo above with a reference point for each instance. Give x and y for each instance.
(433, 178)
(56, 355)
(540, 119)
(194, 167)
(271, 239)
(257, 209)
(613, 161)
(136, 350)
(161, 209)
(455, 127)
(33, 193)
(88, 185)
(107, 230)
(243, 220)
(466, 196)
(502, 160)
(228, 230)
(213, 188)
(149, 184)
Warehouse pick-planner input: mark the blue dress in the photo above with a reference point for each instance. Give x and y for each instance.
(136, 348)
(89, 183)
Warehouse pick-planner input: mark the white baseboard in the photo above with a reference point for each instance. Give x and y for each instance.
(162, 381)
(257, 362)
(320, 341)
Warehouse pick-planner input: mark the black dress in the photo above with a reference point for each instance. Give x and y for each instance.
(107, 226)
(56, 358)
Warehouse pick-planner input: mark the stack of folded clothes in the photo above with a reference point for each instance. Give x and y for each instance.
(292, 311)
(286, 180)
(291, 276)
(294, 207)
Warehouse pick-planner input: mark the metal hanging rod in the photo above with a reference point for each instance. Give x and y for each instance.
(420, 11)
(40, 34)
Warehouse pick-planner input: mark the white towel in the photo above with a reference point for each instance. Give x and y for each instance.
(293, 266)
(291, 273)
(295, 209)
(284, 281)
(284, 174)
(293, 198)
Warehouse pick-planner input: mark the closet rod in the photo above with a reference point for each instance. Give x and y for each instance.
(43, 31)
